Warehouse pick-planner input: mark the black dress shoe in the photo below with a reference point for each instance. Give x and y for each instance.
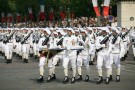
(57, 64)
(66, 80)
(10, 60)
(36, 57)
(25, 60)
(49, 79)
(53, 77)
(107, 80)
(2, 54)
(110, 78)
(41, 79)
(87, 78)
(5, 57)
(122, 59)
(20, 57)
(73, 80)
(79, 78)
(91, 63)
(100, 80)
(7, 61)
(118, 78)
(31, 55)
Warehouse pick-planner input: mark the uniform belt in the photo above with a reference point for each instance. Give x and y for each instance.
(124, 41)
(114, 53)
(26, 43)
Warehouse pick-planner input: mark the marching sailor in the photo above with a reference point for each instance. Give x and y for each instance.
(102, 44)
(133, 41)
(69, 42)
(8, 47)
(126, 42)
(115, 51)
(35, 40)
(44, 43)
(1, 39)
(92, 49)
(26, 45)
(83, 56)
(57, 43)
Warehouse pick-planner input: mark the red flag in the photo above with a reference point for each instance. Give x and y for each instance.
(30, 14)
(42, 14)
(51, 15)
(3, 18)
(62, 15)
(18, 18)
(9, 17)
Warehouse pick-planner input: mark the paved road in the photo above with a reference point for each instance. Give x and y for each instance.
(21, 76)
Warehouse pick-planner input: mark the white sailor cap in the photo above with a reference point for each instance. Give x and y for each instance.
(94, 28)
(77, 30)
(17, 29)
(51, 28)
(47, 30)
(70, 29)
(82, 30)
(61, 32)
(105, 29)
(115, 29)
(89, 28)
(55, 33)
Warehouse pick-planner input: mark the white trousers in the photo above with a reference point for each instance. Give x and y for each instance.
(8, 50)
(35, 49)
(25, 50)
(115, 58)
(103, 59)
(71, 59)
(81, 59)
(133, 51)
(0, 46)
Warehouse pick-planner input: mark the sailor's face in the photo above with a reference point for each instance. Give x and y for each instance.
(104, 33)
(114, 33)
(25, 31)
(69, 33)
(76, 33)
(9, 31)
(123, 30)
(59, 34)
(55, 35)
(90, 31)
(94, 30)
(45, 33)
(83, 34)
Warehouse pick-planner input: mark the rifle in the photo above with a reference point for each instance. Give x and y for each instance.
(123, 36)
(18, 38)
(103, 42)
(8, 38)
(115, 38)
(46, 40)
(61, 41)
(26, 38)
(105, 39)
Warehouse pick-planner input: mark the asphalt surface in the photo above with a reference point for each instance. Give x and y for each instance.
(23, 76)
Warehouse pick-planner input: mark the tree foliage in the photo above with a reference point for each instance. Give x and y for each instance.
(79, 7)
